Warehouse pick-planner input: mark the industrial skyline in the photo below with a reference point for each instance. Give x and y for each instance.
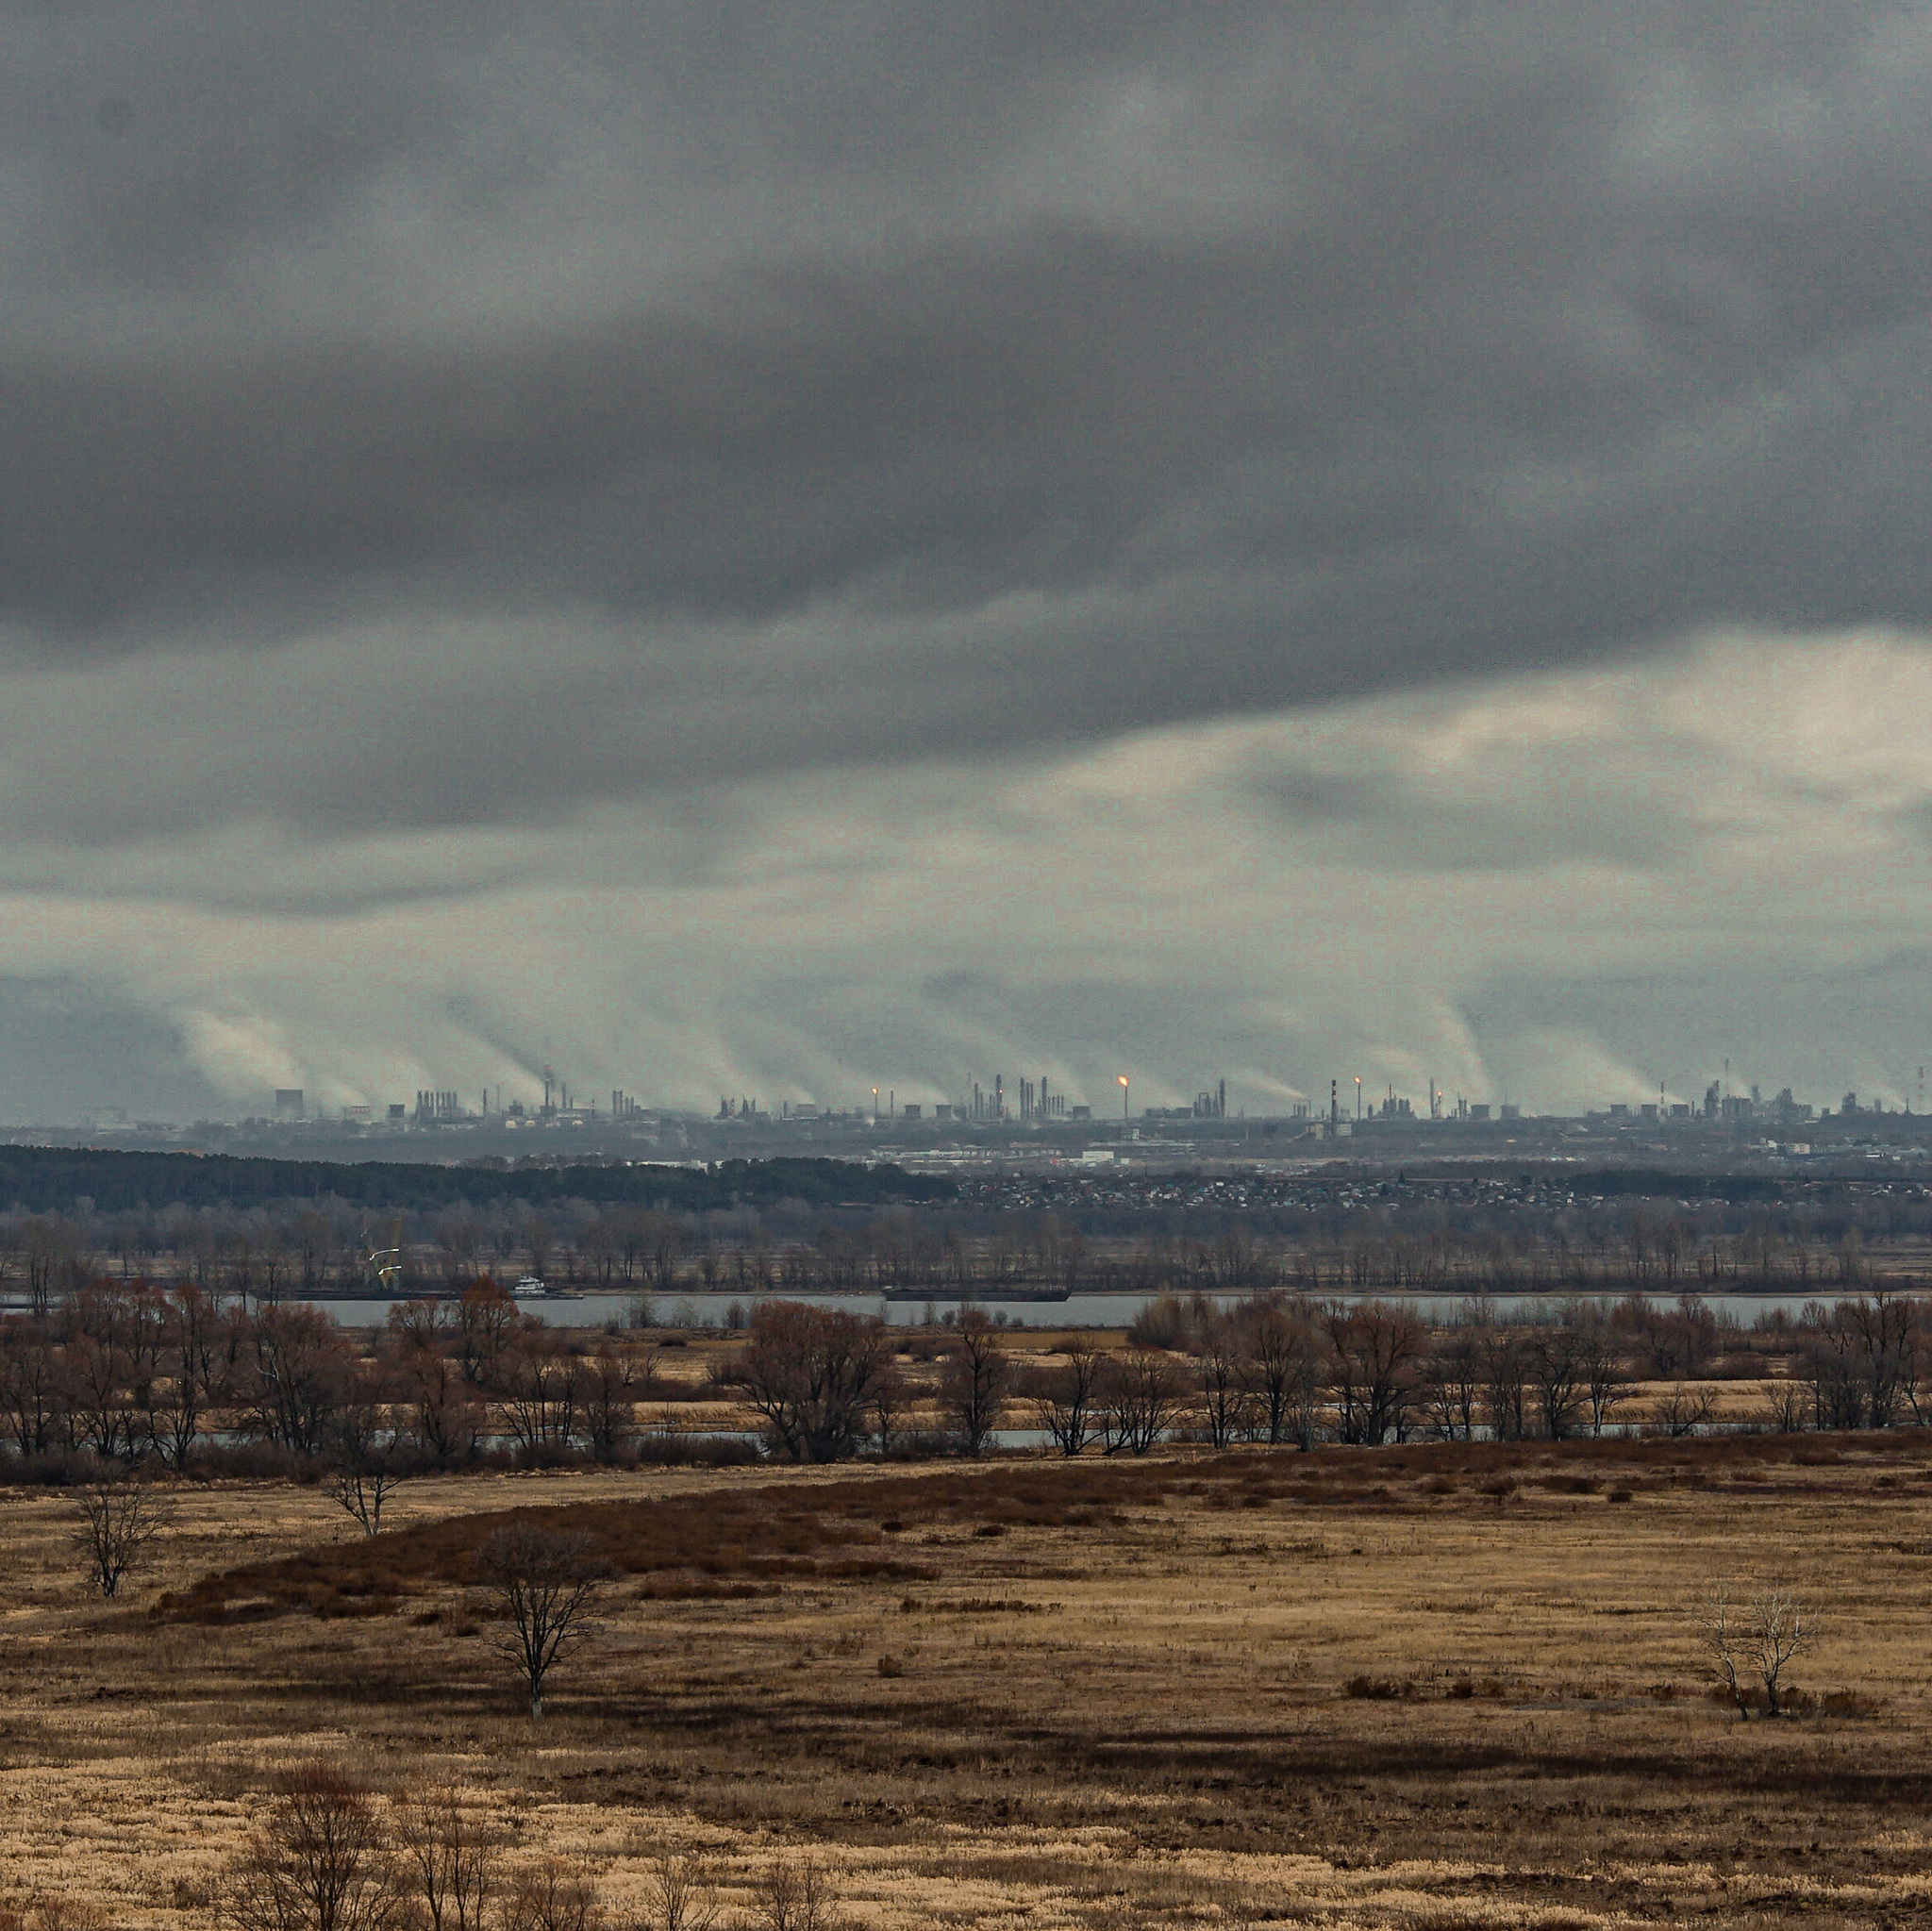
(1035, 1101)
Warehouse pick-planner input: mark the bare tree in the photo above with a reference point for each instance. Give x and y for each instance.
(1141, 1392)
(813, 1374)
(1506, 1382)
(1283, 1363)
(1683, 1411)
(486, 1320)
(613, 1382)
(317, 1861)
(35, 1406)
(366, 1459)
(1452, 1385)
(796, 1894)
(293, 1376)
(1750, 1647)
(1375, 1350)
(53, 1260)
(1222, 1368)
(973, 1378)
(540, 1393)
(1786, 1407)
(1557, 1375)
(682, 1892)
(118, 1520)
(447, 1858)
(444, 1412)
(1605, 1378)
(540, 1240)
(1064, 1397)
(555, 1894)
(541, 1584)
(191, 1370)
(1781, 1629)
(98, 1376)
(890, 1404)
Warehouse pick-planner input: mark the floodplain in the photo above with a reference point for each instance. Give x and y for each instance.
(1426, 1686)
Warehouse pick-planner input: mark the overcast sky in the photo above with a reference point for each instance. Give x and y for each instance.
(778, 548)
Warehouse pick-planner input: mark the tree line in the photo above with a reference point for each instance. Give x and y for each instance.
(327, 1247)
(1280, 1369)
(133, 1373)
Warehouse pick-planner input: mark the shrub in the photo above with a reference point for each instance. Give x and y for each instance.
(1381, 1688)
(316, 1862)
(554, 1895)
(794, 1894)
(118, 1519)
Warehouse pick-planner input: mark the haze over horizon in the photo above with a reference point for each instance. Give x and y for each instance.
(768, 550)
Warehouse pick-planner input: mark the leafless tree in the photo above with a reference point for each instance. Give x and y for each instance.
(366, 1458)
(555, 1894)
(191, 1370)
(318, 1861)
(1221, 1367)
(296, 1370)
(486, 1320)
(1376, 1349)
(1750, 1647)
(1283, 1363)
(1554, 1355)
(682, 1892)
(539, 1390)
(314, 1240)
(1786, 1407)
(462, 1234)
(892, 1403)
(1683, 1411)
(1506, 1382)
(796, 1894)
(1606, 1374)
(98, 1374)
(1141, 1392)
(34, 1399)
(1863, 1359)
(973, 1377)
(444, 1412)
(1064, 1396)
(1451, 1385)
(540, 1240)
(447, 1858)
(118, 1518)
(53, 1249)
(812, 1374)
(612, 1382)
(542, 1585)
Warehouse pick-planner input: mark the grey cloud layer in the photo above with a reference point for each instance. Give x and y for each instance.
(720, 480)
(1315, 349)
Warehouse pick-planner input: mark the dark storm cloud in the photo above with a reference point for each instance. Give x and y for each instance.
(946, 378)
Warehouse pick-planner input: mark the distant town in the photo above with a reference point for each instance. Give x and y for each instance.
(1027, 1120)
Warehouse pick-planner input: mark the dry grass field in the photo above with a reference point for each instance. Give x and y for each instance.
(1420, 1687)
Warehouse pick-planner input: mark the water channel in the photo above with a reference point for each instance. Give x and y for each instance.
(598, 1309)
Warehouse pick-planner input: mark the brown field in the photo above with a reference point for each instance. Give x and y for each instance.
(1036, 1694)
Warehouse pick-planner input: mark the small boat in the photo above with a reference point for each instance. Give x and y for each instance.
(530, 1289)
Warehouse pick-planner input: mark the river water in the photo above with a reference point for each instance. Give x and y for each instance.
(596, 1309)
